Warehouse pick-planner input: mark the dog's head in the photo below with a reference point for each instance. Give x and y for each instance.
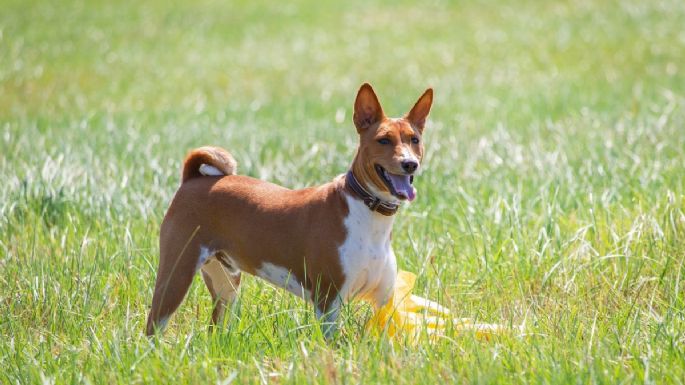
(390, 149)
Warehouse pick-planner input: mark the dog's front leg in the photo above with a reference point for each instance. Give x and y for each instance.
(328, 317)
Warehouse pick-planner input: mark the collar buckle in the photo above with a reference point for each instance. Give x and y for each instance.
(373, 204)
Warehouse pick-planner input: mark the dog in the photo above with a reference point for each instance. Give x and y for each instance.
(325, 244)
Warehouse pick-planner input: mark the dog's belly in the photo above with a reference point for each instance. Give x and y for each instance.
(284, 278)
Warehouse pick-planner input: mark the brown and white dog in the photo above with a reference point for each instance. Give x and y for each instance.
(326, 244)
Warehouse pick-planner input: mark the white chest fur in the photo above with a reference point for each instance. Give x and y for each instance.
(366, 255)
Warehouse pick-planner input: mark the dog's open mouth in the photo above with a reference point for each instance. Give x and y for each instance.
(400, 186)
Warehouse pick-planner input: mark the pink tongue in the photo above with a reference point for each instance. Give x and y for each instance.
(402, 185)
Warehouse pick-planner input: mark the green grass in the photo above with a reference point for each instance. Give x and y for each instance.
(553, 191)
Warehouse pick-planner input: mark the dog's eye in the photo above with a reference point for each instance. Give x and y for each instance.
(415, 140)
(384, 141)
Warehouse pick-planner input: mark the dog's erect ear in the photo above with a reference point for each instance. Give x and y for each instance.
(367, 109)
(417, 115)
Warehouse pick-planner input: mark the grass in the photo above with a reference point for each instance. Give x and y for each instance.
(553, 193)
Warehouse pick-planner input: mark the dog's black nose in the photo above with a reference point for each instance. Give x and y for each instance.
(410, 166)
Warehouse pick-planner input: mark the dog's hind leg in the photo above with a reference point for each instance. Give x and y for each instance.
(223, 281)
(177, 267)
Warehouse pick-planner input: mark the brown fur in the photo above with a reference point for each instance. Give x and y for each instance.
(214, 156)
(304, 229)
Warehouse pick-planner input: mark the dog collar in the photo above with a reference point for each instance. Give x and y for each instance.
(372, 202)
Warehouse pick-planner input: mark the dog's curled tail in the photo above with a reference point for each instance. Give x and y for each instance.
(208, 160)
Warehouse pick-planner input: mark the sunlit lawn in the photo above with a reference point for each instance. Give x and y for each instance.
(553, 192)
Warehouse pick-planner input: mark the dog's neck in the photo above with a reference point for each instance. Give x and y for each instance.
(371, 200)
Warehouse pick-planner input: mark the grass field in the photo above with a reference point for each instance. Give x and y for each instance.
(553, 191)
